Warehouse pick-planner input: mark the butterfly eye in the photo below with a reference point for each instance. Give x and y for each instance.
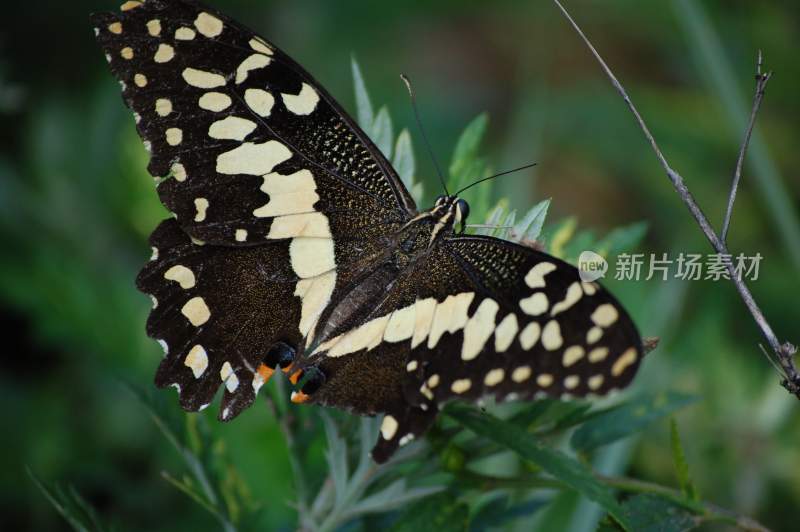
(463, 209)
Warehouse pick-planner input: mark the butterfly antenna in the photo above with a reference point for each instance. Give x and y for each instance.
(494, 176)
(422, 130)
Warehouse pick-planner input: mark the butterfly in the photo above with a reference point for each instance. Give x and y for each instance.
(295, 248)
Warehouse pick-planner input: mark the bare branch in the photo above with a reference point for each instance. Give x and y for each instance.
(761, 85)
(784, 352)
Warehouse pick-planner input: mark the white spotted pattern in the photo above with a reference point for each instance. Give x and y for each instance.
(574, 294)
(253, 158)
(388, 427)
(260, 101)
(535, 276)
(231, 128)
(181, 275)
(303, 103)
(201, 206)
(214, 101)
(208, 25)
(535, 305)
(254, 62)
(197, 361)
(505, 333)
(479, 329)
(196, 311)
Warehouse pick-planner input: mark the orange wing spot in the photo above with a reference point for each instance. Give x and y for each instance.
(288, 368)
(266, 372)
(294, 377)
(300, 397)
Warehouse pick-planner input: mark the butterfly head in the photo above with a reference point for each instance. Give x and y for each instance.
(451, 210)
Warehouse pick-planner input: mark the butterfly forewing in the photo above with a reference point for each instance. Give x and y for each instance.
(254, 148)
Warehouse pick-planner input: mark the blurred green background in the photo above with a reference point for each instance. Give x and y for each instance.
(76, 206)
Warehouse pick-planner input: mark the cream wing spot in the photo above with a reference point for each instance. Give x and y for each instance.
(424, 310)
(231, 128)
(140, 80)
(389, 427)
(163, 107)
(202, 79)
(589, 289)
(461, 386)
(232, 383)
(288, 194)
(433, 381)
(479, 329)
(535, 276)
(505, 333)
(208, 25)
(196, 311)
(154, 28)
(551, 336)
(164, 54)
(574, 294)
(197, 361)
(178, 172)
(312, 224)
(572, 355)
(303, 103)
(412, 366)
(595, 382)
(201, 206)
(115, 28)
(535, 305)
(126, 53)
(260, 101)
(312, 256)
(594, 334)
(450, 316)
(253, 158)
(254, 62)
(259, 46)
(181, 275)
(130, 4)
(174, 136)
(572, 382)
(225, 371)
(521, 374)
(598, 354)
(494, 377)
(214, 101)
(401, 325)
(184, 34)
(241, 235)
(605, 315)
(314, 293)
(530, 335)
(627, 359)
(544, 380)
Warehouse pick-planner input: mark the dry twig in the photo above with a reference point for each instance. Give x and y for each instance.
(783, 353)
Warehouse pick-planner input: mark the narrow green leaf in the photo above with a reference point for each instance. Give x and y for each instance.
(395, 495)
(530, 227)
(630, 417)
(467, 145)
(382, 133)
(508, 221)
(564, 468)
(651, 513)
(336, 456)
(493, 219)
(681, 465)
(502, 510)
(442, 513)
(622, 239)
(70, 505)
(364, 110)
(403, 160)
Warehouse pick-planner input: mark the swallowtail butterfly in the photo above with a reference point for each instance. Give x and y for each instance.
(294, 246)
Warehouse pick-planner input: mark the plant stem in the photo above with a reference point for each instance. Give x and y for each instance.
(784, 352)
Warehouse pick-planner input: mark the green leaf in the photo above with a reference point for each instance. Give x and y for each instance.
(364, 110)
(336, 456)
(502, 510)
(70, 505)
(530, 227)
(562, 467)
(622, 239)
(442, 513)
(382, 133)
(393, 496)
(681, 465)
(561, 234)
(403, 160)
(626, 419)
(652, 513)
(466, 150)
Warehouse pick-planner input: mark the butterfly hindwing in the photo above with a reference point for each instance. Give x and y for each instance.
(253, 147)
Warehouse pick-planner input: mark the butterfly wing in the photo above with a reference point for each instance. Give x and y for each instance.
(251, 147)
(481, 316)
(276, 192)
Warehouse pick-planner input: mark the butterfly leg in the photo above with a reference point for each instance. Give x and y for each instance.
(400, 428)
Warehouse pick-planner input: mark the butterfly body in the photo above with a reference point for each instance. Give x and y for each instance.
(295, 248)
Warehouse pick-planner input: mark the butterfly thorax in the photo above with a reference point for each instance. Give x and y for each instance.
(406, 252)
